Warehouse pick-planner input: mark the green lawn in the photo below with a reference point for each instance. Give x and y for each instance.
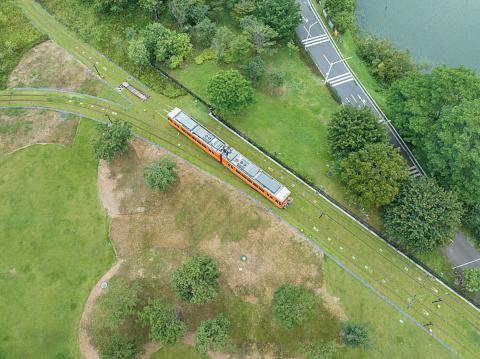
(394, 339)
(178, 351)
(55, 246)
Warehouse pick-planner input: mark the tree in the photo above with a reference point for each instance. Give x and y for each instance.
(319, 349)
(206, 30)
(113, 138)
(180, 10)
(138, 53)
(417, 101)
(355, 335)
(241, 48)
(165, 323)
(254, 69)
(351, 129)
(292, 48)
(157, 43)
(259, 34)
(118, 347)
(160, 174)
(341, 14)
(423, 216)
(196, 282)
(118, 302)
(283, 16)
(453, 150)
(115, 6)
(293, 305)
(243, 8)
(471, 217)
(472, 279)
(213, 335)
(387, 62)
(152, 6)
(222, 42)
(229, 91)
(199, 12)
(372, 174)
(276, 78)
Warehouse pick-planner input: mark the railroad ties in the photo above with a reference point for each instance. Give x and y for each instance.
(141, 95)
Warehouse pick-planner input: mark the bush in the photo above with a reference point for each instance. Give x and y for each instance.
(334, 93)
(207, 54)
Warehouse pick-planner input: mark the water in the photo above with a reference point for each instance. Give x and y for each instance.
(443, 31)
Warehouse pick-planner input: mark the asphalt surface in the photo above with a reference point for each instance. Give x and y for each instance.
(461, 252)
(332, 66)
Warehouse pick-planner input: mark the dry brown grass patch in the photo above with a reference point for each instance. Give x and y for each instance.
(25, 127)
(49, 66)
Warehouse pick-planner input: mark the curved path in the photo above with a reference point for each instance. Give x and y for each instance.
(388, 273)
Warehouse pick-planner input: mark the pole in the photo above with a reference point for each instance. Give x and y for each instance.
(97, 70)
(333, 63)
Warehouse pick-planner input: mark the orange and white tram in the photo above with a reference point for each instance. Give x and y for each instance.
(260, 181)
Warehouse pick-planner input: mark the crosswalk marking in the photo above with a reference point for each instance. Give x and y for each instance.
(338, 80)
(315, 40)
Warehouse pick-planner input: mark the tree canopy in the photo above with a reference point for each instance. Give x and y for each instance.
(197, 280)
(293, 305)
(260, 35)
(351, 129)
(160, 174)
(276, 78)
(283, 16)
(112, 138)
(423, 216)
(372, 174)
(341, 14)
(387, 62)
(119, 347)
(229, 91)
(165, 323)
(417, 101)
(472, 279)
(254, 70)
(118, 301)
(453, 150)
(157, 43)
(355, 335)
(212, 334)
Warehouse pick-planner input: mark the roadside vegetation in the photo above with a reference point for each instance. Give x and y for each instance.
(17, 36)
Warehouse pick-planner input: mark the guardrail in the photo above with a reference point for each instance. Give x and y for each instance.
(309, 182)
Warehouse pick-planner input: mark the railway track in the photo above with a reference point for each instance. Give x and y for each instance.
(366, 255)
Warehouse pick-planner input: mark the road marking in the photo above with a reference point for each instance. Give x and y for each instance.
(307, 31)
(326, 59)
(354, 98)
(348, 78)
(316, 42)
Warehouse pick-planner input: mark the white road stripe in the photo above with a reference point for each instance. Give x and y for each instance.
(337, 77)
(342, 81)
(318, 42)
(310, 39)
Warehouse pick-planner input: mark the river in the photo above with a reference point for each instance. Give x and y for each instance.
(443, 31)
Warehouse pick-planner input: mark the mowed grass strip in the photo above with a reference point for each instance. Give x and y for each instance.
(396, 335)
(55, 246)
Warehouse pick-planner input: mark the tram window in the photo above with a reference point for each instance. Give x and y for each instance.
(237, 171)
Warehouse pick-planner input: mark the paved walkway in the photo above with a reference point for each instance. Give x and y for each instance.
(461, 252)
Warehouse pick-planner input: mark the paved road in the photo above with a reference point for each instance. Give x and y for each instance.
(331, 64)
(392, 276)
(461, 252)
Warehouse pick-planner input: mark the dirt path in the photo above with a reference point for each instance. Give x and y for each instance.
(86, 348)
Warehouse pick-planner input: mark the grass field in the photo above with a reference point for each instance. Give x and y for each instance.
(55, 246)
(180, 350)
(202, 216)
(395, 339)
